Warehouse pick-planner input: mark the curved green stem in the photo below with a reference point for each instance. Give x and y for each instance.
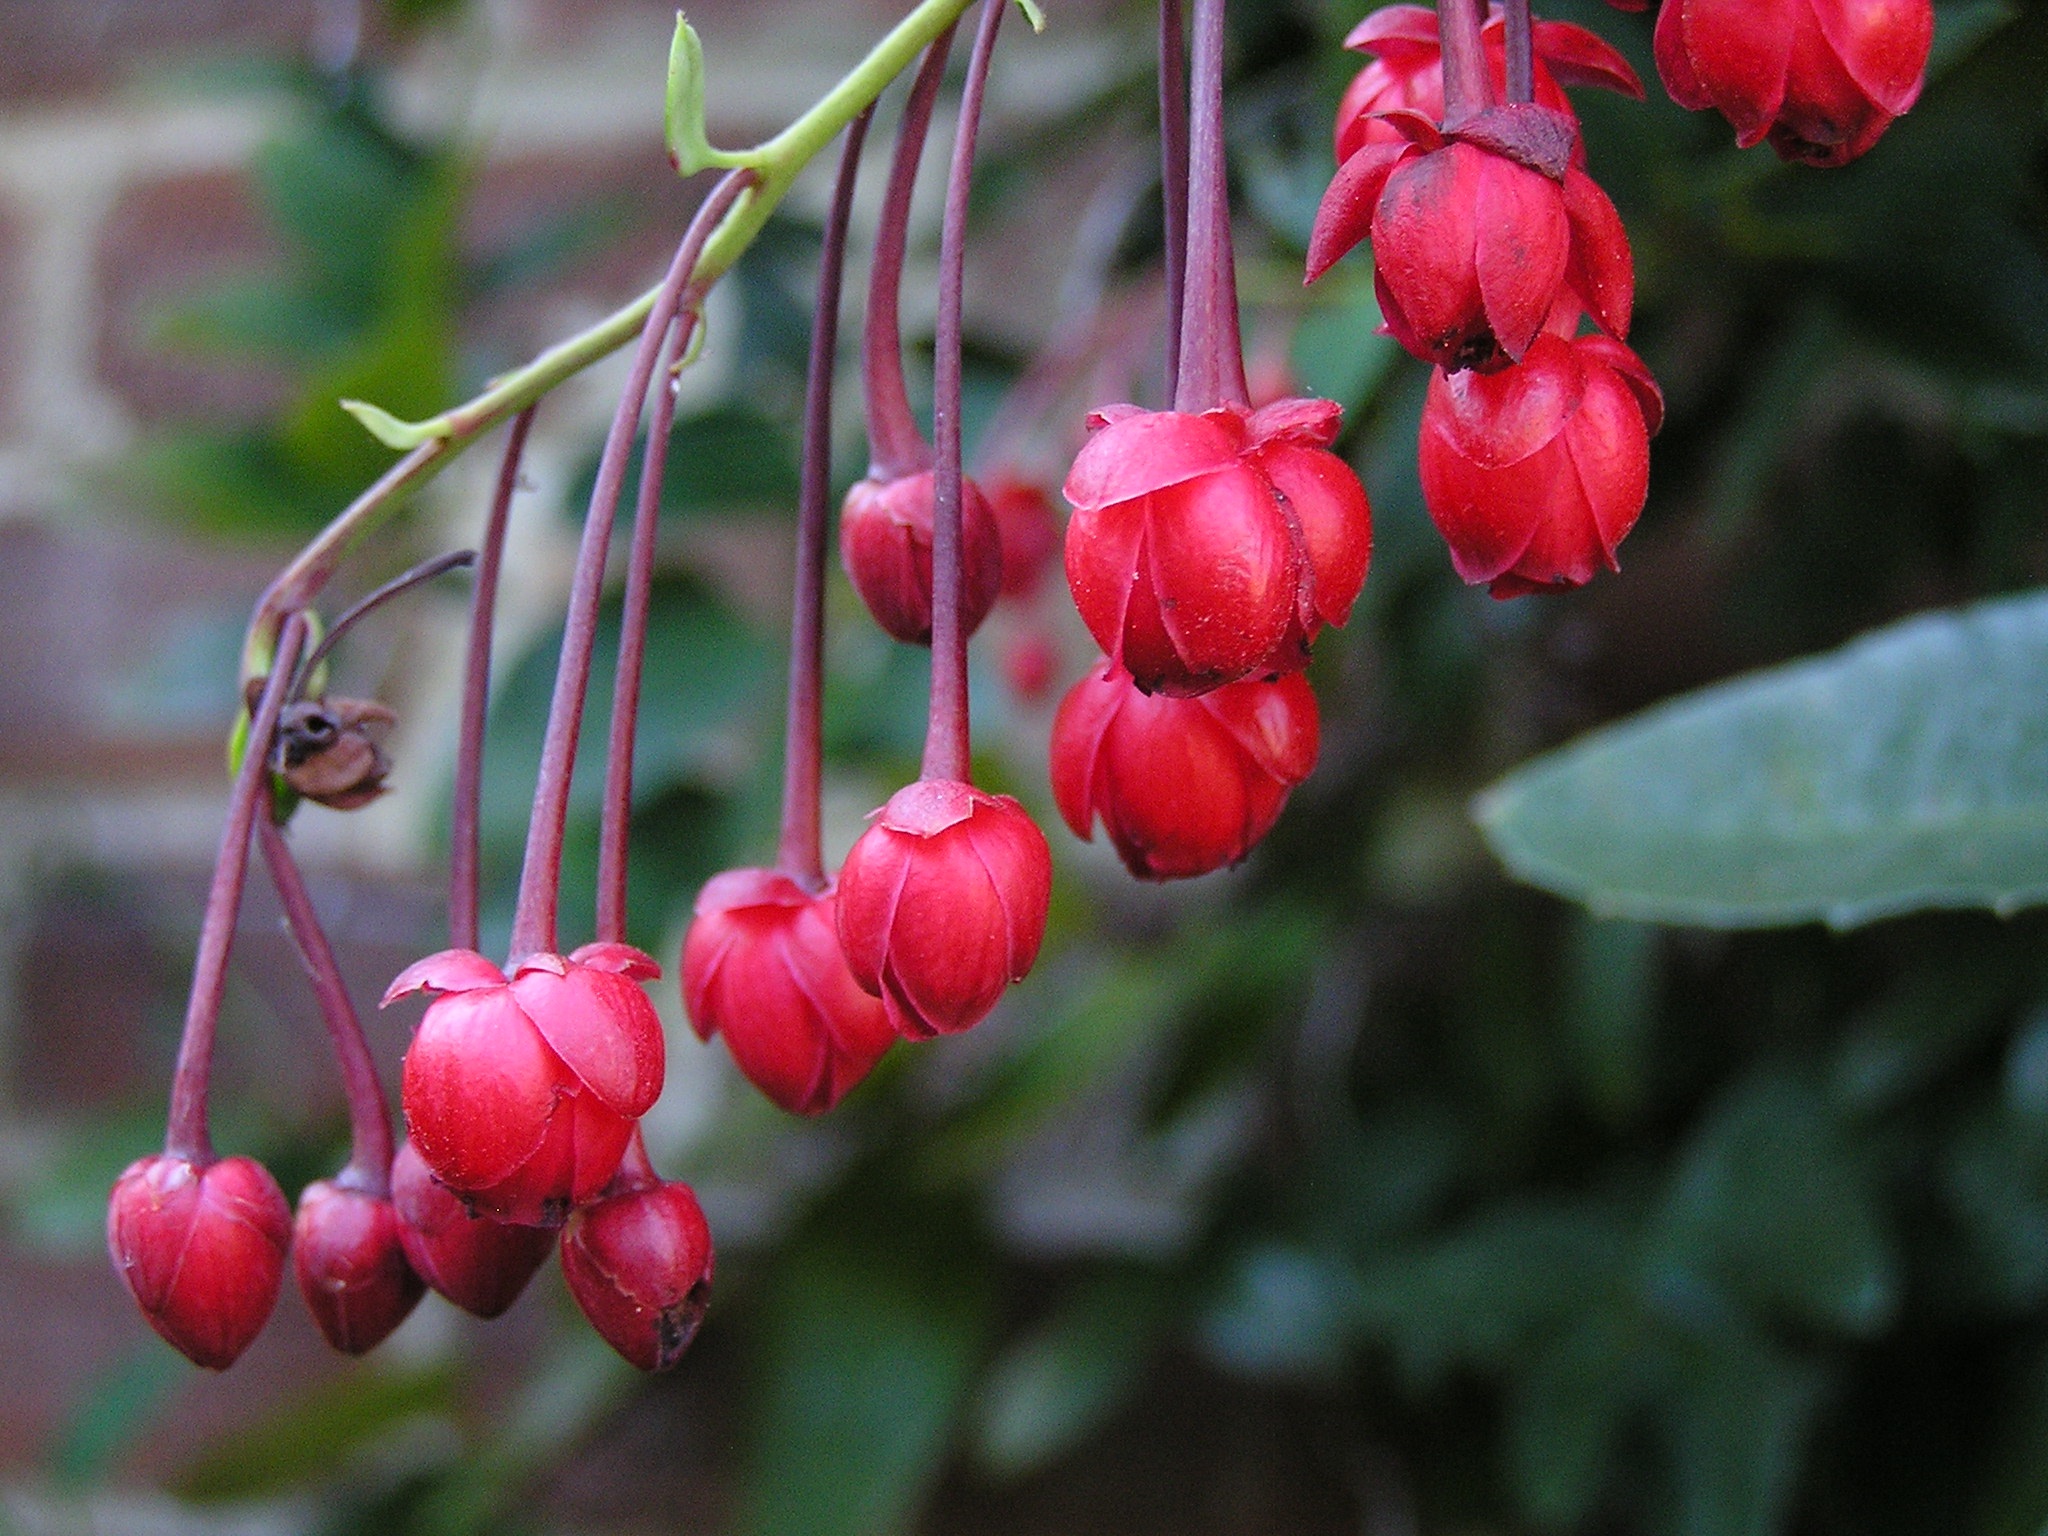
(430, 444)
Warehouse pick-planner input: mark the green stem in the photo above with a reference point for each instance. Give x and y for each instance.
(433, 443)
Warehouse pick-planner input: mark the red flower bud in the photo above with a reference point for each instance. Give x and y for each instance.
(521, 1094)
(1476, 234)
(1030, 663)
(942, 903)
(885, 542)
(1183, 786)
(1822, 79)
(639, 1265)
(1207, 547)
(762, 966)
(479, 1264)
(1028, 528)
(1533, 475)
(349, 1257)
(201, 1250)
(1407, 73)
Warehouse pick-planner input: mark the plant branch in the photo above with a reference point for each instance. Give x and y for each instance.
(1211, 352)
(1173, 173)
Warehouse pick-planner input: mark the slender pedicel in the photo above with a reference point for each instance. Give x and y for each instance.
(464, 837)
(533, 921)
(946, 745)
(1211, 354)
(1173, 173)
(615, 828)
(1467, 88)
(799, 854)
(397, 586)
(186, 1134)
(895, 445)
(1521, 52)
(369, 1117)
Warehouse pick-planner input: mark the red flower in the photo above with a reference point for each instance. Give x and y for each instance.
(349, 1256)
(1822, 79)
(1028, 528)
(479, 1264)
(885, 542)
(639, 1265)
(762, 966)
(1407, 74)
(1534, 475)
(1183, 786)
(1476, 233)
(1206, 547)
(942, 904)
(201, 1249)
(520, 1094)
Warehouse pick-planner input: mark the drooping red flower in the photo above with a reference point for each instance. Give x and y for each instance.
(1182, 786)
(1477, 231)
(639, 1264)
(1407, 74)
(520, 1093)
(762, 966)
(942, 903)
(1533, 475)
(201, 1249)
(1204, 547)
(1821, 79)
(349, 1256)
(885, 543)
(479, 1264)
(1028, 528)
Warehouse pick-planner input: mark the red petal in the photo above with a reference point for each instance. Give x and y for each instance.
(1578, 57)
(1410, 25)
(452, 970)
(1277, 723)
(1674, 64)
(1497, 419)
(930, 806)
(1308, 421)
(1883, 44)
(1522, 248)
(1147, 452)
(1084, 714)
(479, 1086)
(1345, 215)
(1739, 50)
(1611, 451)
(1602, 272)
(623, 959)
(1609, 353)
(603, 1028)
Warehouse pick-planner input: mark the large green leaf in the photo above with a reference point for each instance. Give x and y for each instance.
(1907, 770)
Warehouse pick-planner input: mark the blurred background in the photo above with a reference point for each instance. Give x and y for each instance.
(1357, 1190)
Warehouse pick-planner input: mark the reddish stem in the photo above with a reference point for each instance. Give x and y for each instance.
(1173, 173)
(615, 828)
(464, 839)
(1467, 86)
(186, 1135)
(895, 445)
(946, 744)
(369, 1117)
(800, 854)
(1521, 52)
(1211, 353)
(397, 586)
(533, 920)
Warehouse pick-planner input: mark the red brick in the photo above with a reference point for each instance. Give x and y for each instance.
(163, 243)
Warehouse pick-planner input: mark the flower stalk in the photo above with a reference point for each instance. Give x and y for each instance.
(1211, 352)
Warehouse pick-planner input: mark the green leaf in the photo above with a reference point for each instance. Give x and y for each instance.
(1566, 1411)
(1283, 1313)
(869, 1353)
(1772, 1207)
(1907, 770)
(1737, 1416)
(1066, 1376)
(319, 1429)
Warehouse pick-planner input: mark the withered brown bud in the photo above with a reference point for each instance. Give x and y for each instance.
(329, 750)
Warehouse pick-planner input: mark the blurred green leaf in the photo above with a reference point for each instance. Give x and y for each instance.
(1567, 1409)
(116, 1405)
(1610, 1009)
(1282, 1313)
(1061, 1380)
(1738, 1418)
(315, 1434)
(1907, 770)
(1772, 1206)
(867, 1356)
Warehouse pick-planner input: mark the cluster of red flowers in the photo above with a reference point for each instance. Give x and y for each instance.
(1210, 543)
